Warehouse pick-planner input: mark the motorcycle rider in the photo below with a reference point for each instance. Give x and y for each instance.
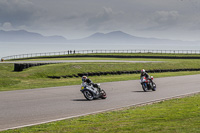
(144, 73)
(89, 82)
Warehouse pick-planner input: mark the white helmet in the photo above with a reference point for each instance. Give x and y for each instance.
(142, 71)
(84, 78)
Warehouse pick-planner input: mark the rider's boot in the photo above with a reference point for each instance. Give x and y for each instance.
(99, 90)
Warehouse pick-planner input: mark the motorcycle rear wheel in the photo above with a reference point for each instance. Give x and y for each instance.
(88, 95)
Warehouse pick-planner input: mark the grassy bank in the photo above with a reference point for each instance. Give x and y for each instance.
(176, 116)
(36, 77)
(172, 116)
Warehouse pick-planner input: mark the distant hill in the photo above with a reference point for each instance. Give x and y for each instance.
(121, 37)
(115, 37)
(25, 36)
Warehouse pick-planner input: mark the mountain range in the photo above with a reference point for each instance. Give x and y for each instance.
(111, 37)
(25, 36)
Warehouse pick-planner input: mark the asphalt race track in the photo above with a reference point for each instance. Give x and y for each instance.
(35, 106)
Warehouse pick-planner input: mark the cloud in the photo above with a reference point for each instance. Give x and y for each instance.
(7, 26)
(105, 20)
(77, 17)
(95, 22)
(164, 19)
(166, 16)
(17, 12)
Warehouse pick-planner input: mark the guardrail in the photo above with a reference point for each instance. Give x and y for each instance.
(99, 51)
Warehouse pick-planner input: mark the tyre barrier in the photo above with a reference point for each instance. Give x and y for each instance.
(18, 67)
(122, 72)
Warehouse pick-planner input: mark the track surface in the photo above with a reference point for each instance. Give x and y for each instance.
(35, 106)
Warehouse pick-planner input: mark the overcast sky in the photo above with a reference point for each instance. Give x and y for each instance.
(170, 19)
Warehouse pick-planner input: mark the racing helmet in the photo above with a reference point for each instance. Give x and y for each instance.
(84, 78)
(142, 71)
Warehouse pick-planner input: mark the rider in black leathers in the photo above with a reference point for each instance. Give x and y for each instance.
(144, 73)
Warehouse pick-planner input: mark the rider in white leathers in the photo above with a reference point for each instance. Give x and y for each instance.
(89, 82)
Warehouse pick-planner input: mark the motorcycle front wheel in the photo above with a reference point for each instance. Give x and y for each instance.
(144, 87)
(88, 95)
(103, 94)
(154, 87)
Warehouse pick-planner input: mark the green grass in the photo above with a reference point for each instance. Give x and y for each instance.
(172, 116)
(36, 77)
(75, 68)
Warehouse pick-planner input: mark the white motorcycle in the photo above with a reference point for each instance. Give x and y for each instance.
(90, 92)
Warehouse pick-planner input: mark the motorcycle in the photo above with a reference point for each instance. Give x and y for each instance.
(90, 92)
(147, 84)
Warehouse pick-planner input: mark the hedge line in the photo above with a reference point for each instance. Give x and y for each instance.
(20, 67)
(122, 72)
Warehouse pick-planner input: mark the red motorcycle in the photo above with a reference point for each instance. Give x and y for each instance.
(147, 84)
